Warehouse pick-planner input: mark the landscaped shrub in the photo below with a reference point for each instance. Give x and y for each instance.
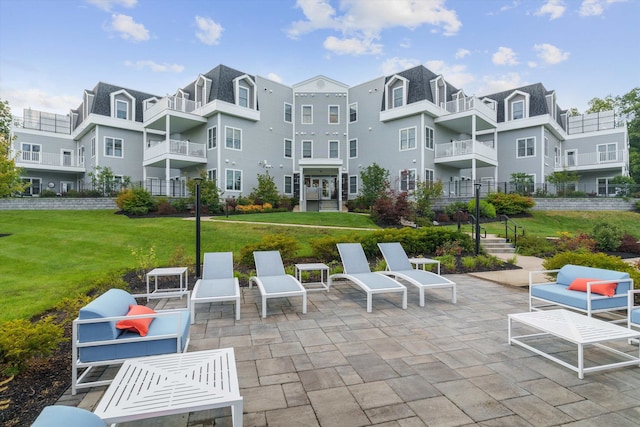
(69, 307)
(487, 210)
(165, 208)
(180, 205)
(579, 242)
(598, 260)
(629, 244)
(391, 207)
(535, 246)
(21, 342)
(510, 203)
(442, 217)
(454, 207)
(288, 246)
(469, 262)
(137, 201)
(607, 236)
(449, 248)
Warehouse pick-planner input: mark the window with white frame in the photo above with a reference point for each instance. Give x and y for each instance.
(212, 175)
(93, 146)
(113, 147)
(288, 148)
(334, 114)
(517, 110)
(307, 114)
(122, 109)
(408, 180)
(34, 186)
(398, 96)
(243, 96)
(288, 112)
(212, 137)
(31, 152)
(353, 148)
(546, 146)
(233, 138)
(407, 139)
(607, 152)
(307, 149)
(429, 176)
(526, 147)
(428, 138)
(288, 184)
(334, 149)
(353, 112)
(353, 184)
(233, 180)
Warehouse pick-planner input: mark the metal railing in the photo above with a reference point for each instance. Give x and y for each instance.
(466, 147)
(472, 221)
(42, 121)
(593, 122)
(508, 222)
(50, 159)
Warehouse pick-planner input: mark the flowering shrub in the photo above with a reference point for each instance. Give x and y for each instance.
(254, 208)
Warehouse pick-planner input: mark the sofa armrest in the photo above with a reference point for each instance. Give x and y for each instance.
(532, 274)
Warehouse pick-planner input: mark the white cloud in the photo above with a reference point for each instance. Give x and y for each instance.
(532, 64)
(155, 67)
(550, 54)
(274, 77)
(395, 65)
(128, 28)
(107, 5)
(554, 8)
(493, 84)
(209, 32)
(595, 7)
(362, 21)
(457, 75)
(504, 56)
(37, 99)
(461, 53)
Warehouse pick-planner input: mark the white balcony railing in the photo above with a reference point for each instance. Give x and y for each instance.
(49, 159)
(470, 103)
(175, 146)
(173, 103)
(591, 159)
(466, 147)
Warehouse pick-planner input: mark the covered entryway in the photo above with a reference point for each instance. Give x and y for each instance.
(321, 189)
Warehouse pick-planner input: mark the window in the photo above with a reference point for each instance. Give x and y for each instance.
(288, 148)
(212, 174)
(288, 184)
(307, 114)
(429, 176)
(408, 180)
(234, 180)
(35, 184)
(428, 138)
(31, 152)
(334, 149)
(526, 147)
(398, 96)
(353, 148)
(113, 147)
(243, 96)
(93, 146)
(353, 112)
(607, 152)
(67, 157)
(353, 184)
(306, 149)
(288, 113)
(572, 157)
(233, 138)
(122, 109)
(334, 114)
(212, 137)
(407, 139)
(517, 110)
(546, 146)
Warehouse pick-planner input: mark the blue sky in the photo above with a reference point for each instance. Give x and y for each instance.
(52, 50)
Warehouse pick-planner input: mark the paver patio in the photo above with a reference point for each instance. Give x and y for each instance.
(442, 364)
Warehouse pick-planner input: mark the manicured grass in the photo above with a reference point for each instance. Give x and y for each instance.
(53, 254)
(310, 218)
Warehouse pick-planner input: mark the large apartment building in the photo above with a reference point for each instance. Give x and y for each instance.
(315, 137)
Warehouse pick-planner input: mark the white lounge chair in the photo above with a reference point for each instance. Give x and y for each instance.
(272, 280)
(217, 282)
(400, 267)
(356, 269)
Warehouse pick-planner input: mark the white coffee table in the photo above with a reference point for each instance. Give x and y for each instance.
(423, 262)
(323, 269)
(181, 272)
(578, 329)
(156, 386)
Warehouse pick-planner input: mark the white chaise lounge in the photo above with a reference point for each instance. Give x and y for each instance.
(217, 282)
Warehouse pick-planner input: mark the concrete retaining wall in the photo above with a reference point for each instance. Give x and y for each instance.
(58, 203)
(568, 204)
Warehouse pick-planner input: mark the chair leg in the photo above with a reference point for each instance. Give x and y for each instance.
(453, 294)
(264, 306)
(238, 308)
(421, 289)
(404, 299)
(304, 303)
(369, 304)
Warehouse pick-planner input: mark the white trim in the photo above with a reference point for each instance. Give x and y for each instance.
(226, 183)
(349, 184)
(233, 129)
(518, 156)
(131, 115)
(215, 137)
(284, 148)
(415, 177)
(284, 117)
(302, 156)
(329, 107)
(349, 112)
(349, 148)
(508, 106)
(284, 184)
(388, 97)
(114, 139)
(415, 135)
(329, 149)
(433, 139)
(302, 107)
(252, 98)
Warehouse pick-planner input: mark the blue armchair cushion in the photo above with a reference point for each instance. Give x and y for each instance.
(67, 416)
(114, 302)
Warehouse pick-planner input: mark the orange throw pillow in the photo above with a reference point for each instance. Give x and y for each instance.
(139, 325)
(580, 284)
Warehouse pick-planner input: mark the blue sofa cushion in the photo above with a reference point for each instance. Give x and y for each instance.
(569, 273)
(562, 295)
(160, 326)
(67, 416)
(114, 302)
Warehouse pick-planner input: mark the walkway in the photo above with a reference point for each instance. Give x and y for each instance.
(442, 364)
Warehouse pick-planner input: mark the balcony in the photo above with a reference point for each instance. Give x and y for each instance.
(61, 162)
(460, 154)
(180, 153)
(460, 115)
(42, 121)
(593, 122)
(592, 161)
(184, 114)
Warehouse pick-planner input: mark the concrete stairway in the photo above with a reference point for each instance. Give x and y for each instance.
(497, 245)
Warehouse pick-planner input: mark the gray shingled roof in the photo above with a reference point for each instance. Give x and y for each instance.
(102, 100)
(537, 99)
(420, 84)
(221, 84)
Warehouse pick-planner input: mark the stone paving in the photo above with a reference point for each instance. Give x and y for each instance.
(439, 365)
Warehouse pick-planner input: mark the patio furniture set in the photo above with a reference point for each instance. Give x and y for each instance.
(158, 377)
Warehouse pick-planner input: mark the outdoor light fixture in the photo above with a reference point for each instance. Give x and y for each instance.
(198, 181)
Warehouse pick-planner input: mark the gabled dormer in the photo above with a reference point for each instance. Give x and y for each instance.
(551, 103)
(491, 103)
(245, 92)
(516, 106)
(123, 105)
(149, 102)
(202, 89)
(439, 91)
(87, 103)
(180, 93)
(396, 90)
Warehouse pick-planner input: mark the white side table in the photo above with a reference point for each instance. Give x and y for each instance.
(423, 262)
(324, 275)
(181, 272)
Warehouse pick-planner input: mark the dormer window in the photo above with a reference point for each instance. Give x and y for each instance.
(123, 105)
(243, 97)
(517, 110)
(245, 91)
(516, 106)
(439, 91)
(122, 109)
(490, 103)
(396, 92)
(397, 97)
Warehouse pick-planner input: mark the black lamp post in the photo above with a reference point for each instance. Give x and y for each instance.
(198, 181)
(477, 186)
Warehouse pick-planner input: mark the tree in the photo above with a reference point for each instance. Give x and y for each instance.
(10, 180)
(522, 183)
(425, 194)
(209, 192)
(267, 191)
(561, 179)
(375, 180)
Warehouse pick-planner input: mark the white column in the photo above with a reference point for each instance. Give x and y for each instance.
(475, 149)
(167, 168)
